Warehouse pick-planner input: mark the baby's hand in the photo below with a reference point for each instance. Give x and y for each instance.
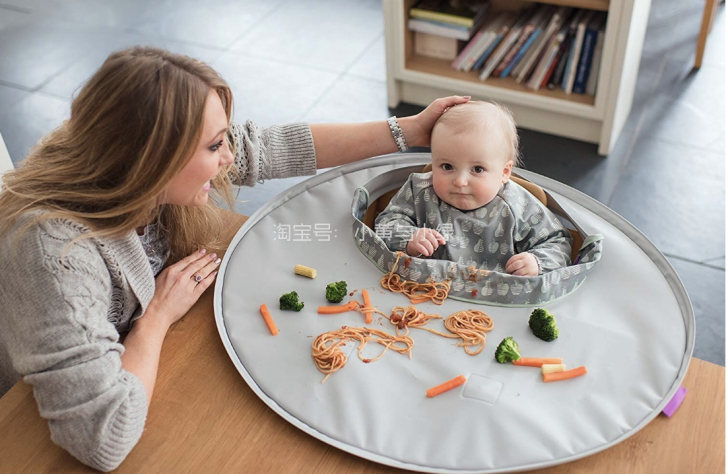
(424, 242)
(523, 264)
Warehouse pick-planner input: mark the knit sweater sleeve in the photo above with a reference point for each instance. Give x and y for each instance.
(398, 221)
(55, 327)
(274, 152)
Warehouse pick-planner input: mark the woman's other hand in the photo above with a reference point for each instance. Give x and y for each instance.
(177, 288)
(417, 128)
(180, 285)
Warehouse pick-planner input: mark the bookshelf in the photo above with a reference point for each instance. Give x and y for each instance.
(596, 119)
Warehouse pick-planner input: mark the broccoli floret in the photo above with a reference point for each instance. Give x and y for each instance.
(336, 291)
(507, 351)
(543, 325)
(290, 301)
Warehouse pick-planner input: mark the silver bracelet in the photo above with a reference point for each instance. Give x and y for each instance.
(397, 133)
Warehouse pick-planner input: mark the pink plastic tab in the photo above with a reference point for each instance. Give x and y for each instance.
(674, 404)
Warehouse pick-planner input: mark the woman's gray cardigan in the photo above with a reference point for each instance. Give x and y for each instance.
(60, 320)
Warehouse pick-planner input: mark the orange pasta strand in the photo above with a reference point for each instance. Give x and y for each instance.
(404, 318)
(469, 325)
(417, 292)
(326, 348)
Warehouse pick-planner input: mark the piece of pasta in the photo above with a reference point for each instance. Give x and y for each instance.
(550, 368)
(305, 271)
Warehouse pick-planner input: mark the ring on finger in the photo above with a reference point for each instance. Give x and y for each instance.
(197, 278)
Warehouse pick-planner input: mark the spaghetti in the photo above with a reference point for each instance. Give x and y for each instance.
(417, 292)
(469, 325)
(367, 311)
(326, 348)
(403, 318)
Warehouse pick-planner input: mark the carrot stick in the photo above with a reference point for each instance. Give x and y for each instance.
(537, 361)
(350, 306)
(566, 374)
(444, 387)
(367, 306)
(268, 319)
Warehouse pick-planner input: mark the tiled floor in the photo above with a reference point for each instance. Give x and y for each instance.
(323, 60)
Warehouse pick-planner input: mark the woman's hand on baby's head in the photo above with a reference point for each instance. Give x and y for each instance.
(418, 128)
(424, 242)
(522, 264)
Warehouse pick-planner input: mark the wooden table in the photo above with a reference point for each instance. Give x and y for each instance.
(204, 418)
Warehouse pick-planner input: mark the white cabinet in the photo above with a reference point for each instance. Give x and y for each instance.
(595, 119)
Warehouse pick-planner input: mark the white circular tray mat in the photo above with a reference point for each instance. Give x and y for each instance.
(630, 324)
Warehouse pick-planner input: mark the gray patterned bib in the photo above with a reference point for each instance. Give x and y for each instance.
(473, 258)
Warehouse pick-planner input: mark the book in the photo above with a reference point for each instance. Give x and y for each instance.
(458, 12)
(526, 32)
(435, 46)
(499, 35)
(570, 51)
(552, 65)
(560, 64)
(473, 44)
(587, 53)
(539, 26)
(547, 59)
(573, 64)
(503, 47)
(575, 23)
(467, 50)
(563, 54)
(529, 62)
(439, 28)
(493, 31)
(591, 83)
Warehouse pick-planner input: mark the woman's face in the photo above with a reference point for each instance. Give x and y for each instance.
(191, 186)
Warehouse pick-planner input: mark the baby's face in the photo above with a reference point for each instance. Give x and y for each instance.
(469, 168)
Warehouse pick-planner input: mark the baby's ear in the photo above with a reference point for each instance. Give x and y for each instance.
(507, 171)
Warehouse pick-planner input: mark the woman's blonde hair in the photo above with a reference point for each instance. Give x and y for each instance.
(133, 126)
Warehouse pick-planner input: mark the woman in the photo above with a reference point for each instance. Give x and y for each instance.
(92, 219)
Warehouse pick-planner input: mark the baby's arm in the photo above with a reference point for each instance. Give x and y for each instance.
(540, 234)
(398, 225)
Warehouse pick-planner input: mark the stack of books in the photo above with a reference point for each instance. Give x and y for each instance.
(442, 27)
(543, 46)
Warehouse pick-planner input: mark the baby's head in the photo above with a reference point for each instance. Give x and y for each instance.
(474, 147)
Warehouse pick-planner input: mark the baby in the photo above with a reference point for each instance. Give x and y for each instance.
(488, 221)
